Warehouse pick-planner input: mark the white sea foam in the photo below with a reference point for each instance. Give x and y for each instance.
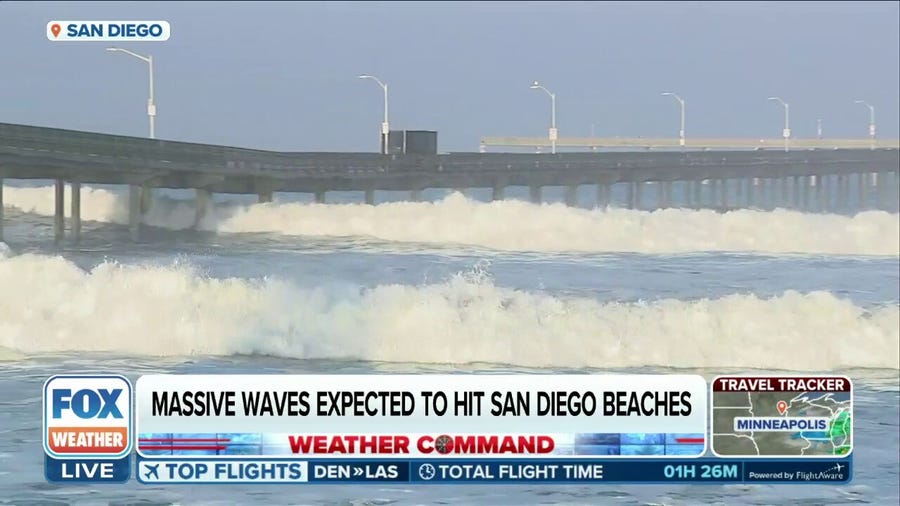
(7, 354)
(48, 304)
(514, 225)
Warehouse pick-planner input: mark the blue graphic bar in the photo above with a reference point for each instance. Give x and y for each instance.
(77, 470)
(187, 470)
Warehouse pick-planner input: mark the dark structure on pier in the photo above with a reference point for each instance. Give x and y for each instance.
(802, 178)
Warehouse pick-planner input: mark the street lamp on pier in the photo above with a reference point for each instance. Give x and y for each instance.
(151, 104)
(871, 119)
(787, 122)
(553, 134)
(680, 101)
(385, 127)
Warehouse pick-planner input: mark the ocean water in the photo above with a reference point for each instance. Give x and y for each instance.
(453, 284)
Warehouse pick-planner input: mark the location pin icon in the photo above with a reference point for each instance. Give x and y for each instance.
(782, 406)
(54, 28)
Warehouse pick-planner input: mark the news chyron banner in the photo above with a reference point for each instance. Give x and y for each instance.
(218, 429)
(461, 428)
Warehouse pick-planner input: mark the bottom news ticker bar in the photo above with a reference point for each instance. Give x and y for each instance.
(425, 471)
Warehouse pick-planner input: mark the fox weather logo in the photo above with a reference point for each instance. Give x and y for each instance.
(87, 416)
(108, 31)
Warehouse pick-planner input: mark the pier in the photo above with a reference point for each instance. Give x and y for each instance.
(594, 143)
(815, 178)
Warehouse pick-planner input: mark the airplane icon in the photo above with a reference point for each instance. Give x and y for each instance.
(152, 470)
(837, 467)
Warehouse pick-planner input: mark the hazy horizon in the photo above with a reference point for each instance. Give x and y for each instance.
(284, 75)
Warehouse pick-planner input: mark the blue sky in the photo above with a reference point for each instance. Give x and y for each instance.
(283, 75)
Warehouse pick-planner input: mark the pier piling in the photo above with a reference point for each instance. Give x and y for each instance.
(783, 195)
(76, 210)
(820, 193)
(751, 191)
(146, 198)
(861, 191)
(572, 195)
(134, 211)
(843, 194)
(602, 195)
(202, 198)
(724, 184)
(881, 190)
(535, 194)
(802, 191)
(59, 210)
(795, 189)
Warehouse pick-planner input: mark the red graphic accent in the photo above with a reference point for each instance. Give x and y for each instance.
(154, 447)
(183, 440)
(689, 440)
(183, 443)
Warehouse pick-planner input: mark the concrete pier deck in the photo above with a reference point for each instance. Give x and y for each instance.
(30, 152)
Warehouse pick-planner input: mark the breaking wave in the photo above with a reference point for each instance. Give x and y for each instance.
(513, 225)
(48, 304)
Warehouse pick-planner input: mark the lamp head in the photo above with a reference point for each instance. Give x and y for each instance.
(535, 85)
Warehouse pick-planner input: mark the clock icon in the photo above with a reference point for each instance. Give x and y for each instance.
(426, 471)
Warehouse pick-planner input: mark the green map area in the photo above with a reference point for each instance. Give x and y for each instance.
(834, 439)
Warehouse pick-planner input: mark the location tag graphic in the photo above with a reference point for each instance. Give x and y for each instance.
(55, 28)
(782, 406)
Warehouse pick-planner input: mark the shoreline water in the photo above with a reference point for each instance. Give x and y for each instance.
(265, 303)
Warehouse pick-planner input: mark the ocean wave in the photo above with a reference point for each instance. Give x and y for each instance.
(48, 304)
(512, 225)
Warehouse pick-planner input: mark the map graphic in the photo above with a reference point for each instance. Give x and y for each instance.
(782, 424)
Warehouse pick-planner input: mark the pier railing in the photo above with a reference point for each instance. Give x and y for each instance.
(690, 143)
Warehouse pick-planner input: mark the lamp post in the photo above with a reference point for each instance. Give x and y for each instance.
(680, 101)
(871, 120)
(553, 134)
(151, 104)
(385, 127)
(787, 121)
